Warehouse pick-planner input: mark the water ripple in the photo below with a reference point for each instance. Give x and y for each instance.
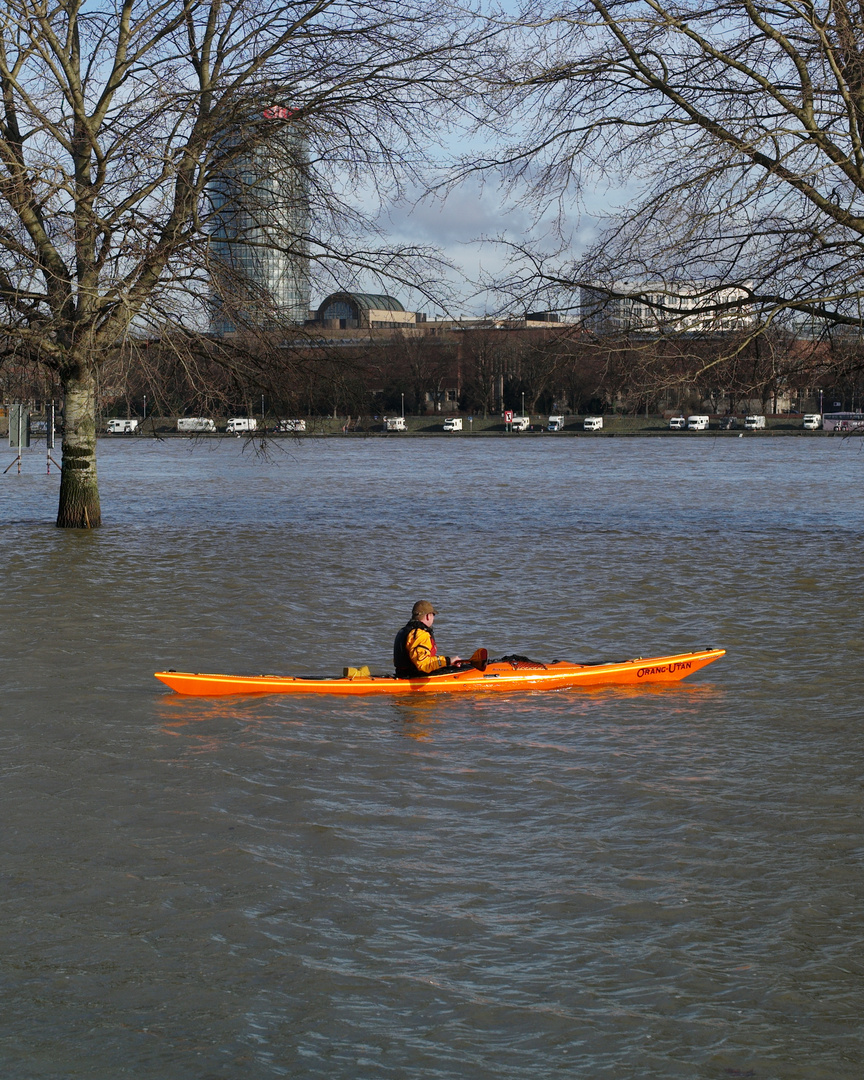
(605, 884)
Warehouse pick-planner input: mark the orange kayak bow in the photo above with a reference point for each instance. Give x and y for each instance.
(499, 676)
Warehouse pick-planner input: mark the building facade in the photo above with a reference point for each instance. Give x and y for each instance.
(366, 311)
(259, 247)
(655, 308)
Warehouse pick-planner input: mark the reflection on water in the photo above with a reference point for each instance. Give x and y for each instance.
(628, 882)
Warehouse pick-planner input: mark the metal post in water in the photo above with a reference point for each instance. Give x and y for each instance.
(19, 432)
(49, 436)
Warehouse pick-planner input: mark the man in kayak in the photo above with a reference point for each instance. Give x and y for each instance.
(414, 650)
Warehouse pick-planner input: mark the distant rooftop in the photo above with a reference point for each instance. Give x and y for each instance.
(353, 309)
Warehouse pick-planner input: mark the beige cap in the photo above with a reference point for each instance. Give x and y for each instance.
(422, 607)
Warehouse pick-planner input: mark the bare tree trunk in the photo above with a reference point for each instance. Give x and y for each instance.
(79, 488)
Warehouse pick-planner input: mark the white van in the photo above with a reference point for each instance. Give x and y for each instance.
(453, 423)
(592, 423)
(195, 423)
(812, 421)
(754, 423)
(292, 425)
(394, 423)
(122, 427)
(241, 423)
(520, 423)
(556, 423)
(678, 423)
(697, 423)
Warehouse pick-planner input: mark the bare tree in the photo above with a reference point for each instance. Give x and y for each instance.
(117, 122)
(733, 131)
(423, 365)
(485, 364)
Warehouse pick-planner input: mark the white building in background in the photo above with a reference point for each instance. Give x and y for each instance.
(655, 308)
(260, 224)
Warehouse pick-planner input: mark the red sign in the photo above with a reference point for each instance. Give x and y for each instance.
(277, 112)
(508, 416)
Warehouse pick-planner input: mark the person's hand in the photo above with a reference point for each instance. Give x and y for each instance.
(455, 660)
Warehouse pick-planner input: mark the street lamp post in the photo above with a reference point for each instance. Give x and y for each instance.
(403, 406)
(145, 406)
(523, 404)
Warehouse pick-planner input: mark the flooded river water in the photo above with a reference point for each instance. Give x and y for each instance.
(604, 885)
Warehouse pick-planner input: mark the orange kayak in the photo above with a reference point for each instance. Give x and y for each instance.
(508, 675)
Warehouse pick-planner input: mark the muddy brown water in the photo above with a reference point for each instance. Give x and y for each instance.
(609, 884)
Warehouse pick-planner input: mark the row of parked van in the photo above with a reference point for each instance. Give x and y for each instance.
(237, 425)
(590, 423)
(523, 423)
(812, 422)
(702, 423)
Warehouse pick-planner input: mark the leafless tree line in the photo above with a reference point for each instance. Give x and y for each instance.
(571, 371)
(478, 371)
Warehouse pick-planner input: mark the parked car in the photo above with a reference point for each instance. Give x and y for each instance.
(727, 423)
(453, 423)
(592, 423)
(291, 425)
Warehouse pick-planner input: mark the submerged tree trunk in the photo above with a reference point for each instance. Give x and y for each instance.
(79, 487)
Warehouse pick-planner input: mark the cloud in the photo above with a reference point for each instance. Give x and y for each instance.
(477, 227)
(472, 226)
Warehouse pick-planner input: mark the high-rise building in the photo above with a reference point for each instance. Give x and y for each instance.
(259, 247)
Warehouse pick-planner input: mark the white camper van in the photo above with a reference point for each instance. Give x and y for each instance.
(453, 423)
(556, 423)
(678, 423)
(241, 423)
(697, 423)
(122, 427)
(812, 422)
(195, 423)
(592, 423)
(292, 425)
(394, 423)
(520, 423)
(754, 423)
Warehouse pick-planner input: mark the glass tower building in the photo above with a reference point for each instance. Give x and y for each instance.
(259, 248)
